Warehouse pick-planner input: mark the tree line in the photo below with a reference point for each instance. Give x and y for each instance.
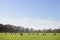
(19, 29)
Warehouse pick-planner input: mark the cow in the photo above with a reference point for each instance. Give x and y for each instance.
(54, 34)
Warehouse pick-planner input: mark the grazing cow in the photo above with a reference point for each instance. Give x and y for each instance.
(44, 34)
(54, 34)
(21, 34)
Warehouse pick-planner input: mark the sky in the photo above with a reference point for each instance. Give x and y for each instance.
(37, 14)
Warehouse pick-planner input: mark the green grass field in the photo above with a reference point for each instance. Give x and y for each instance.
(49, 36)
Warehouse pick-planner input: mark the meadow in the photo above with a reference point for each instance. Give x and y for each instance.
(26, 36)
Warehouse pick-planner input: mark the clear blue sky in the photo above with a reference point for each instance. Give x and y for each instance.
(31, 13)
(38, 9)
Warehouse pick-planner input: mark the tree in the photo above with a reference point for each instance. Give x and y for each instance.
(1, 27)
(49, 31)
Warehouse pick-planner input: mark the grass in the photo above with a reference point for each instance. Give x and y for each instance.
(49, 36)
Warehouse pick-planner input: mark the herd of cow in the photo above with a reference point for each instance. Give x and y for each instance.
(29, 34)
